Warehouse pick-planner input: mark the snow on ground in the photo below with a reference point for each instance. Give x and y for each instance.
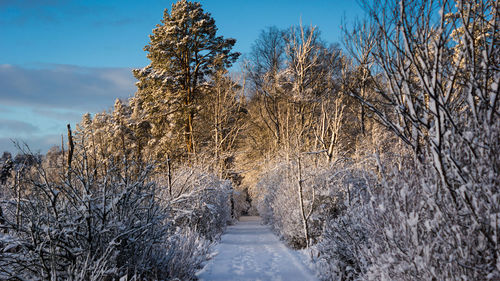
(250, 251)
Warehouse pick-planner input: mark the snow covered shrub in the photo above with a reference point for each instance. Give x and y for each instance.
(344, 230)
(268, 183)
(84, 225)
(422, 231)
(278, 205)
(241, 203)
(413, 228)
(327, 190)
(347, 223)
(178, 257)
(338, 251)
(200, 201)
(55, 228)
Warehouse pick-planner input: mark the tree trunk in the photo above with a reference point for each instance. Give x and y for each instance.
(71, 147)
(302, 207)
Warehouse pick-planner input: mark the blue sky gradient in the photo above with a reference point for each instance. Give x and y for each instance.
(63, 58)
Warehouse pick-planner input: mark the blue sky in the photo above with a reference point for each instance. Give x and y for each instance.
(63, 58)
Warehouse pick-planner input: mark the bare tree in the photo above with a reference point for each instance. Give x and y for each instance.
(266, 62)
(226, 113)
(359, 42)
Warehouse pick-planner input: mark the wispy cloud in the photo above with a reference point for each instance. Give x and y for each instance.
(58, 114)
(18, 126)
(64, 86)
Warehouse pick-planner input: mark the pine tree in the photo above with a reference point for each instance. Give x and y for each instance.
(184, 50)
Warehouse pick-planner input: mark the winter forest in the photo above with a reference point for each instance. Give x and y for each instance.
(377, 156)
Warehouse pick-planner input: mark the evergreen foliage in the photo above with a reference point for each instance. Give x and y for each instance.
(184, 51)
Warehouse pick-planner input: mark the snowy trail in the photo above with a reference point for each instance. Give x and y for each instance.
(250, 251)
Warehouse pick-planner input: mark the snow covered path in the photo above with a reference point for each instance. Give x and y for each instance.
(250, 251)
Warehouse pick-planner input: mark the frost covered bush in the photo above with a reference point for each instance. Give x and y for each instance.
(328, 189)
(338, 255)
(200, 201)
(426, 231)
(277, 204)
(345, 232)
(82, 225)
(56, 227)
(413, 228)
(178, 257)
(339, 250)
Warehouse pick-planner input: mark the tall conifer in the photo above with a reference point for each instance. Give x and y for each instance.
(184, 49)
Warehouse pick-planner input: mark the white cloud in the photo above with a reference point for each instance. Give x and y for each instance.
(16, 125)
